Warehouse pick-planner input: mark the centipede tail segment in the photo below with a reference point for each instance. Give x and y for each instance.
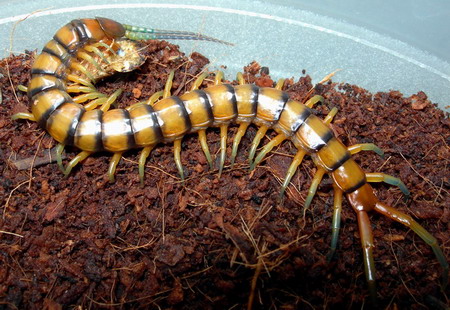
(85, 50)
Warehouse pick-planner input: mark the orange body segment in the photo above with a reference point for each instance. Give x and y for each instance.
(45, 103)
(117, 134)
(88, 135)
(68, 37)
(270, 105)
(48, 64)
(348, 176)
(332, 155)
(62, 123)
(313, 134)
(246, 100)
(198, 108)
(112, 28)
(292, 117)
(144, 125)
(223, 103)
(172, 117)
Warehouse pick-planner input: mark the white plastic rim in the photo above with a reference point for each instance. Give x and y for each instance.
(285, 37)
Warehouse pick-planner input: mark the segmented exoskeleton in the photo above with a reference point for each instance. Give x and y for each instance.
(154, 121)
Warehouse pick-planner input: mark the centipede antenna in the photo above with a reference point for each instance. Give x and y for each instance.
(142, 33)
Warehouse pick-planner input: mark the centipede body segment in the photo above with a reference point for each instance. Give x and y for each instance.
(66, 103)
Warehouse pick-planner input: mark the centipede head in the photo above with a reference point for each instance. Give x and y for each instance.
(112, 28)
(128, 56)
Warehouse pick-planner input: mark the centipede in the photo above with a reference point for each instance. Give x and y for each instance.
(66, 103)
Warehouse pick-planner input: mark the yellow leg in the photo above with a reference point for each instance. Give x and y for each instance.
(223, 146)
(90, 59)
(95, 103)
(142, 159)
(94, 49)
(336, 224)
(75, 88)
(259, 135)
(314, 184)
(22, 88)
(177, 156)
(23, 115)
(329, 118)
(153, 98)
(90, 96)
(76, 79)
(80, 157)
(111, 99)
(199, 81)
(408, 221)
(381, 177)
(280, 84)
(267, 148)
(313, 101)
(240, 78)
(219, 77)
(291, 171)
(59, 150)
(115, 159)
(237, 139)
(205, 148)
(168, 86)
(82, 69)
(354, 149)
(366, 235)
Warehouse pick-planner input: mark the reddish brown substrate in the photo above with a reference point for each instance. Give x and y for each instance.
(81, 241)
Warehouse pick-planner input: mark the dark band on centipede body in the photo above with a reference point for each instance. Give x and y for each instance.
(80, 27)
(88, 134)
(44, 83)
(271, 100)
(356, 186)
(147, 121)
(131, 143)
(117, 133)
(68, 37)
(254, 98)
(339, 162)
(203, 98)
(54, 98)
(63, 122)
(184, 112)
(57, 50)
(222, 99)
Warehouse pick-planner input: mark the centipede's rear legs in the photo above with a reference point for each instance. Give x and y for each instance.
(367, 243)
(371, 177)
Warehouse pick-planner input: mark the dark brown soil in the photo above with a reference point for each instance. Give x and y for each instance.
(81, 242)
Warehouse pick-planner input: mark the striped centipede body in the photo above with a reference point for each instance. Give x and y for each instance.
(86, 50)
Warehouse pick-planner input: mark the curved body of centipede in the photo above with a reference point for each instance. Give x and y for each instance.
(168, 120)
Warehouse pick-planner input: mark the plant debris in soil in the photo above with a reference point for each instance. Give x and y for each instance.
(217, 243)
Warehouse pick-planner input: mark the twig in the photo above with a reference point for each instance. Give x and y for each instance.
(34, 161)
(10, 233)
(9, 197)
